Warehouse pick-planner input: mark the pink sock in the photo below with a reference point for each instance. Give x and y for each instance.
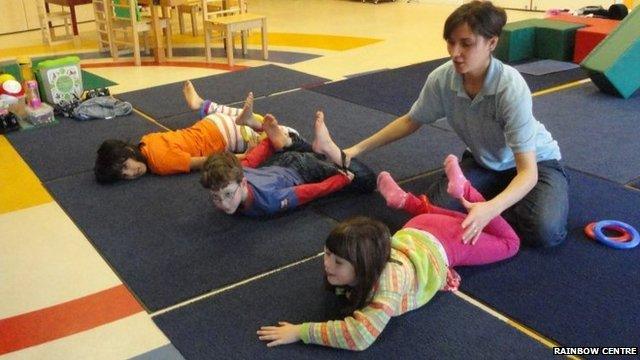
(390, 191)
(457, 182)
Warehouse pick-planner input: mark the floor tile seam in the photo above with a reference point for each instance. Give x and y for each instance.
(519, 326)
(232, 286)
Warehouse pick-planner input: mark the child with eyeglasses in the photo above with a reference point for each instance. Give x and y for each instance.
(282, 172)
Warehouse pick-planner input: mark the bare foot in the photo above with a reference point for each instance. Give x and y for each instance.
(276, 135)
(194, 101)
(390, 191)
(246, 116)
(323, 144)
(457, 182)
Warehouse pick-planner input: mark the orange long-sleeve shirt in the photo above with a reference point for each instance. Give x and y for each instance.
(171, 152)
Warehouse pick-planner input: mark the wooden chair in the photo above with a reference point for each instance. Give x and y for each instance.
(233, 19)
(193, 8)
(130, 27)
(103, 18)
(47, 22)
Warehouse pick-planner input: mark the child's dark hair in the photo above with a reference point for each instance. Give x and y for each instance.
(219, 170)
(482, 17)
(366, 244)
(111, 157)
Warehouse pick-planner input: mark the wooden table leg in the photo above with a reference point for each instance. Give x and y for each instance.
(157, 34)
(74, 21)
(265, 50)
(229, 43)
(49, 25)
(243, 39)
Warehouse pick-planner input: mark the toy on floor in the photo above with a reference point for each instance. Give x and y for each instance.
(5, 77)
(628, 237)
(10, 92)
(623, 235)
(33, 97)
(12, 88)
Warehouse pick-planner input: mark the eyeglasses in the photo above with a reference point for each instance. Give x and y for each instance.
(225, 196)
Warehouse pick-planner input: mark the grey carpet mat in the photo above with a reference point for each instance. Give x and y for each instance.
(597, 133)
(168, 244)
(167, 100)
(224, 326)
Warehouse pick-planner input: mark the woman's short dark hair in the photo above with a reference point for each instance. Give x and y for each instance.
(219, 170)
(366, 244)
(482, 17)
(111, 157)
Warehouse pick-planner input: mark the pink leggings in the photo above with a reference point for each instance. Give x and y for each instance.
(498, 240)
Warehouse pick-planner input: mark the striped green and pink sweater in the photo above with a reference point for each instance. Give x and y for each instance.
(404, 286)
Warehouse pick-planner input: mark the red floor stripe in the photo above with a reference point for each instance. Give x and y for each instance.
(65, 319)
(168, 63)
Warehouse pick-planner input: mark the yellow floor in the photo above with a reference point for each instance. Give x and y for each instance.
(41, 245)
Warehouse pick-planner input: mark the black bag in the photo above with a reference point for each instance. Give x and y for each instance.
(8, 122)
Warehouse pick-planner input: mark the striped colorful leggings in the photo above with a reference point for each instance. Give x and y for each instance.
(236, 137)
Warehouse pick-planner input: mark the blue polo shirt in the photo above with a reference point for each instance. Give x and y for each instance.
(496, 124)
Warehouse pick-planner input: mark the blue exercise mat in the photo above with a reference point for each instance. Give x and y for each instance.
(69, 147)
(180, 121)
(394, 91)
(166, 352)
(581, 293)
(391, 91)
(167, 242)
(597, 133)
(349, 123)
(225, 325)
(543, 82)
(167, 100)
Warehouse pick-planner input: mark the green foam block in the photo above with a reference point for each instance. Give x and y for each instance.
(613, 64)
(537, 38)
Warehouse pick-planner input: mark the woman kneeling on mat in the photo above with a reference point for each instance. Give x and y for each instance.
(511, 158)
(384, 276)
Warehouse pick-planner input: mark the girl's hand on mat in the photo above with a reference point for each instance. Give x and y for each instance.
(479, 215)
(285, 333)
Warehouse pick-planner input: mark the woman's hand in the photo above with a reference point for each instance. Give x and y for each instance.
(479, 215)
(285, 333)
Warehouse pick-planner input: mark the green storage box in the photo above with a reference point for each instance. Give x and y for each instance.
(59, 80)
